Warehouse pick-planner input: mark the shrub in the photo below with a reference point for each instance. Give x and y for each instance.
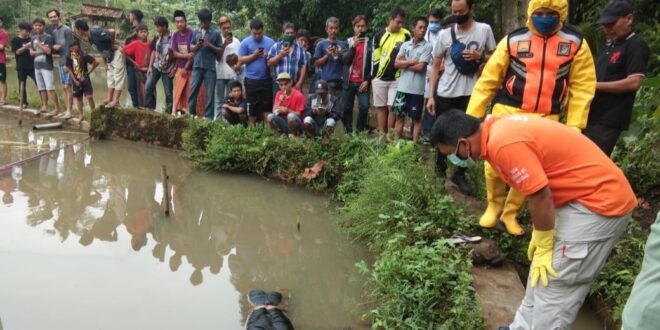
(432, 286)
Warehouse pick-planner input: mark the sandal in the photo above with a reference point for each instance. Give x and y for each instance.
(460, 238)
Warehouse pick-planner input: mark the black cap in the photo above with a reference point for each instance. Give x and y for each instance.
(321, 86)
(615, 10)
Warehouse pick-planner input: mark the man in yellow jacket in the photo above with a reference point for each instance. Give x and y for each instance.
(542, 69)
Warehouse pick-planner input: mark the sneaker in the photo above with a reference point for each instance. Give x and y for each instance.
(257, 298)
(461, 183)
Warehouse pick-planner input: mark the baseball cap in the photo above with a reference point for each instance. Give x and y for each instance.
(614, 10)
(321, 86)
(284, 76)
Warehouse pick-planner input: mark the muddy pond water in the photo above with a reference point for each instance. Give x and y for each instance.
(85, 244)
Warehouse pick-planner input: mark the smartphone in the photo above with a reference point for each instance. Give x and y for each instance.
(230, 34)
(362, 34)
(334, 44)
(200, 40)
(261, 49)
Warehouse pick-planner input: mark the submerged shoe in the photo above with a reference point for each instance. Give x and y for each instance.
(257, 298)
(461, 183)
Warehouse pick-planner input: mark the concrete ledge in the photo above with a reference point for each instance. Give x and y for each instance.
(33, 116)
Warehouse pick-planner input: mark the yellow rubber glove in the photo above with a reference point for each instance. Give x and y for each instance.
(539, 253)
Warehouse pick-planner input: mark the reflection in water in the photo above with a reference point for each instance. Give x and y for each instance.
(107, 192)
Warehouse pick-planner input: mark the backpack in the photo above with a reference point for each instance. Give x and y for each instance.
(456, 50)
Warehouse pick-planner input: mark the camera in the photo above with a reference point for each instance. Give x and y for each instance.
(362, 34)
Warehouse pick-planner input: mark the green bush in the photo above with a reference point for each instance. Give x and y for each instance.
(635, 151)
(433, 288)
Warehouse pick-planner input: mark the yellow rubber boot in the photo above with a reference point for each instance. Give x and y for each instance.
(495, 188)
(514, 202)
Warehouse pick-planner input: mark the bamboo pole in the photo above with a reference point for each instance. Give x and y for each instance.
(166, 189)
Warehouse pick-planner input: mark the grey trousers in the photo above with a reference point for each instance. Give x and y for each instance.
(583, 241)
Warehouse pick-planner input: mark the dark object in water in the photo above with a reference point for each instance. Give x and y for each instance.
(266, 315)
(47, 126)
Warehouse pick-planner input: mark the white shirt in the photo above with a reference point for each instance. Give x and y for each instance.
(222, 70)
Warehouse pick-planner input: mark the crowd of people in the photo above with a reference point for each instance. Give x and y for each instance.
(439, 66)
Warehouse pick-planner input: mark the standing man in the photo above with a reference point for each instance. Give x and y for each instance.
(579, 200)
(536, 70)
(435, 26)
(287, 56)
(161, 66)
(42, 50)
(258, 84)
(135, 17)
(103, 40)
(386, 44)
(412, 60)
(621, 67)
(181, 43)
(328, 57)
(224, 73)
(63, 38)
(459, 50)
(20, 45)
(207, 48)
(4, 44)
(357, 74)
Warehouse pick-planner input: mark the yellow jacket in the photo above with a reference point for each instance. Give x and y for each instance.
(568, 79)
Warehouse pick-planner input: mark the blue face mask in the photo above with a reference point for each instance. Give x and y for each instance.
(434, 27)
(454, 159)
(545, 25)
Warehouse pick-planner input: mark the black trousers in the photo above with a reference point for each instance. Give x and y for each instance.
(444, 104)
(603, 136)
(259, 96)
(23, 75)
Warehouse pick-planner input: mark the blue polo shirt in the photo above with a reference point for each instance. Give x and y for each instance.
(257, 69)
(333, 69)
(205, 57)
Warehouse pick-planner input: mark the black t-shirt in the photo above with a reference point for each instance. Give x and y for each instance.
(615, 62)
(23, 61)
(77, 62)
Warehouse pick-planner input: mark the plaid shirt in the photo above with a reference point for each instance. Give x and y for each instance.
(291, 63)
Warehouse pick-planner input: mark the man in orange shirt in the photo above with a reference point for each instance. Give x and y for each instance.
(579, 200)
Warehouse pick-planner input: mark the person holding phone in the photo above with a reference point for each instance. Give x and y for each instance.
(258, 82)
(207, 50)
(357, 76)
(287, 56)
(328, 56)
(224, 73)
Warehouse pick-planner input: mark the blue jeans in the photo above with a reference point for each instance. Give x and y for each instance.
(427, 123)
(221, 91)
(283, 124)
(150, 90)
(350, 92)
(132, 85)
(200, 75)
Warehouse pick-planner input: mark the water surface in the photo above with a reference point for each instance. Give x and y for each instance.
(85, 244)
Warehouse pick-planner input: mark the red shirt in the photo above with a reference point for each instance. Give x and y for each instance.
(140, 51)
(4, 40)
(358, 65)
(294, 102)
(530, 153)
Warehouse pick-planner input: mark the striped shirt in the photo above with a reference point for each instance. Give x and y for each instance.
(291, 63)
